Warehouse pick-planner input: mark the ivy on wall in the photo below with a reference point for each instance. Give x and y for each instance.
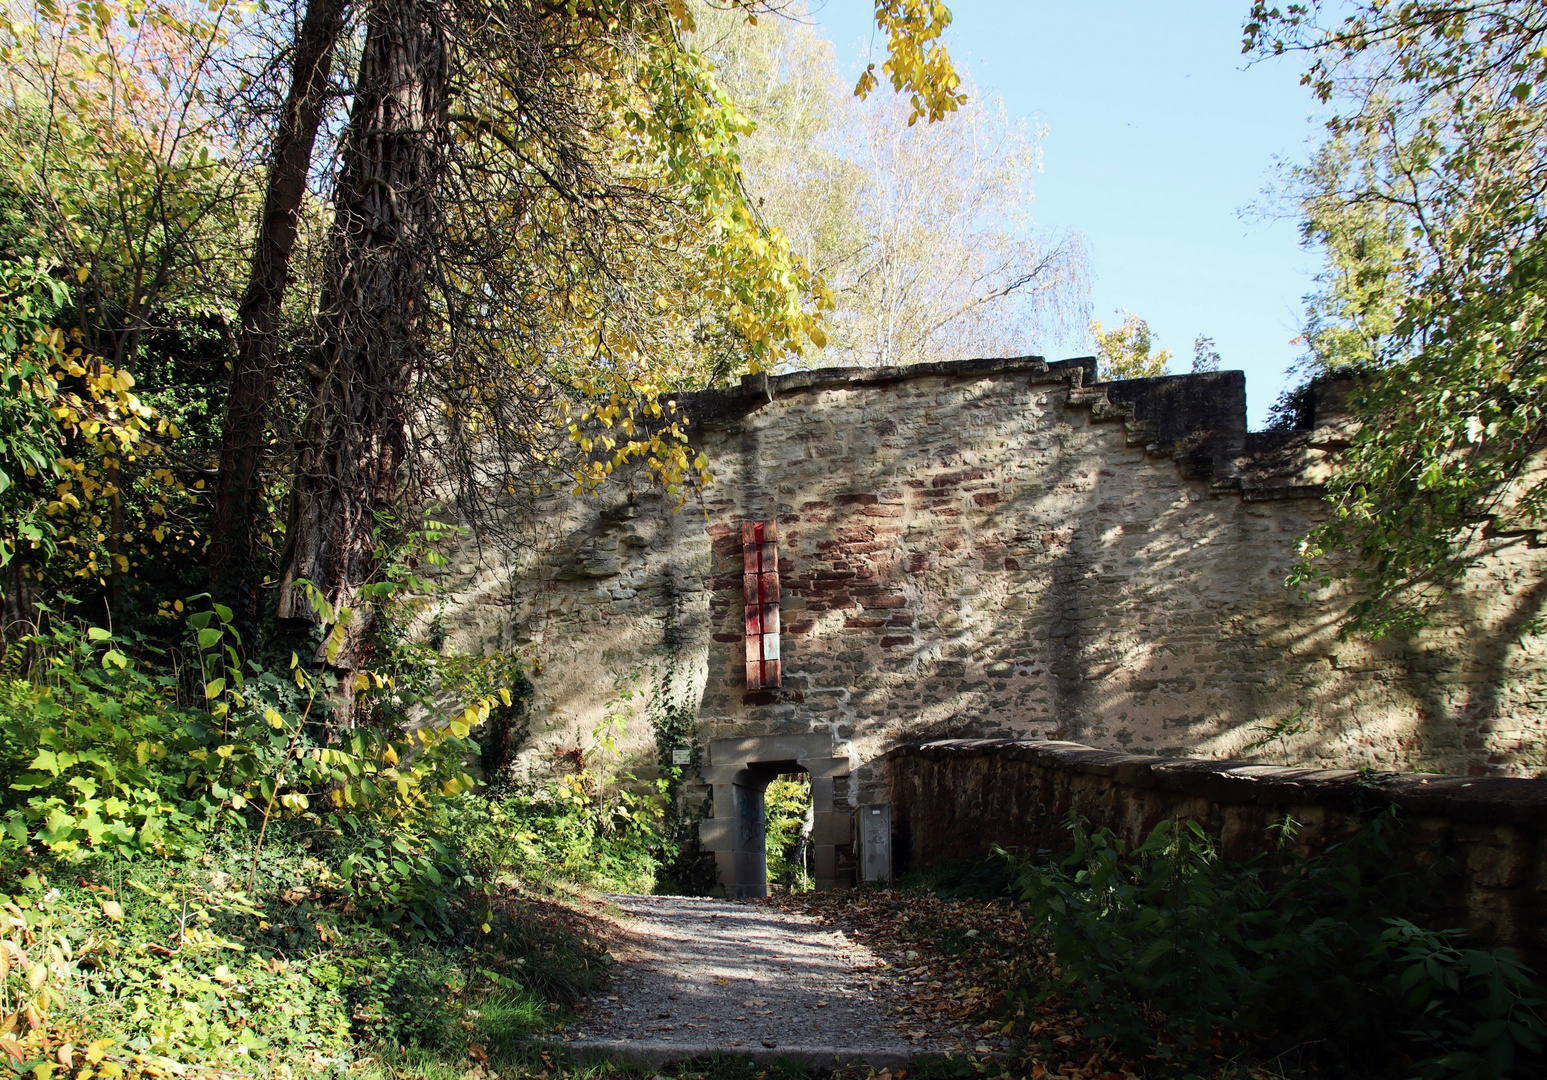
(674, 720)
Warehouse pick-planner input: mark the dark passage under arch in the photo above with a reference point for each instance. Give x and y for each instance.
(750, 845)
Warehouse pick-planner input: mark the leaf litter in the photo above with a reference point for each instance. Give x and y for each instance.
(967, 979)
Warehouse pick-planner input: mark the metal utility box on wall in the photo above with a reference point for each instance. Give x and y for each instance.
(875, 841)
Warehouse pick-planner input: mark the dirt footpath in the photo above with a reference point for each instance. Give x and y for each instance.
(699, 976)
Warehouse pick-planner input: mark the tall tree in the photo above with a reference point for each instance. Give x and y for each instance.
(923, 232)
(374, 309)
(1205, 355)
(1430, 201)
(1127, 351)
(234, 568)
(538, 204)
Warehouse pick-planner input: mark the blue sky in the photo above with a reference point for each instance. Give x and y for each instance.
(1160, 142)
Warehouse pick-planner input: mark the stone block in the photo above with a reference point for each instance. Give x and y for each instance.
(714, 834)
(834, 827)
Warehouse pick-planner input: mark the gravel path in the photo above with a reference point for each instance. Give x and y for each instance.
(699, 976)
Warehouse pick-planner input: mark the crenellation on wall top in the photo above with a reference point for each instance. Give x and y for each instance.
(719, 405)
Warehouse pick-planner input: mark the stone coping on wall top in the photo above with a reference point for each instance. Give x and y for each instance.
(763, 387)
(1198, 419)
(1482, 800)
(833, 376)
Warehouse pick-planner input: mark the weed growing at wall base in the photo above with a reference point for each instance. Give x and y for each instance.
(609, 839)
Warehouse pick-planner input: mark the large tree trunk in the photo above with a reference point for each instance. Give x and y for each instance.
(354, 441)
(236, 518)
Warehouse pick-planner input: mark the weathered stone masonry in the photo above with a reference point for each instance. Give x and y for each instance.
(998, 549)
(960, 798)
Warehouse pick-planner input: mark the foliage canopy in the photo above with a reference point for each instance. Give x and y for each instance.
(1128, 351)
(1428, 198)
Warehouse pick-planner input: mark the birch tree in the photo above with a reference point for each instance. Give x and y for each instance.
(923, 233)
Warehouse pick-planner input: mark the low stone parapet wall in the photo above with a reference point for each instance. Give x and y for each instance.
(955, 798)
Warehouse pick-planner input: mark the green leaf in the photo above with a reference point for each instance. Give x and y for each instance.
(96, 633)
(57, 828)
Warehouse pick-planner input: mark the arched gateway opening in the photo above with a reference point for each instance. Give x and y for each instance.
(739, 771)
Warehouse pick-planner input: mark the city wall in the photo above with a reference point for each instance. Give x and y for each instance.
(999, 549)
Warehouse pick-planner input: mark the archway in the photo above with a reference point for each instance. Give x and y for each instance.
(739, 771)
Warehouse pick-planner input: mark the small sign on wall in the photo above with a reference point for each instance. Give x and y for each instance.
(682, 755)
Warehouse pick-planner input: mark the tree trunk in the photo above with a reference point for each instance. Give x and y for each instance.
(354, 441)
(254, 372)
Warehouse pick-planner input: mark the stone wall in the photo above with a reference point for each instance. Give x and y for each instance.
(998, 549)
(960, 798)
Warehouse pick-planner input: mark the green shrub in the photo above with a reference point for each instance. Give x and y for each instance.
(170, 960)
(94, 755)
(100, 757)
(1474, 1009)
(1159, 929)
(570, 829)
(1172, 949)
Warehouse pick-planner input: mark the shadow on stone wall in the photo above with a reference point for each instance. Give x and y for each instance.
(994, 550)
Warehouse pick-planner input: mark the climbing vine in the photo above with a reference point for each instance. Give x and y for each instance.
(674, 720)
